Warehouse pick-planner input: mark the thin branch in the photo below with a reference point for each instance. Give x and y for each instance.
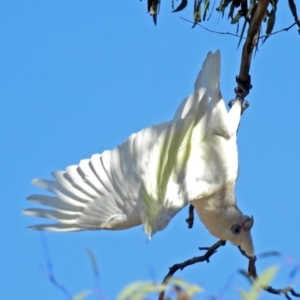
(210, 30)
(236, 35)
(281, 30)
(252, 274)
(210, 251)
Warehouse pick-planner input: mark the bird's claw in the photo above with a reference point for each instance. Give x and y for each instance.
(230, 103)
(241, 91)
(243, 88)
(245, 104)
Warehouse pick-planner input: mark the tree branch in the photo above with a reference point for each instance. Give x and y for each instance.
(210, 251)
(244, 84)
(252, 274)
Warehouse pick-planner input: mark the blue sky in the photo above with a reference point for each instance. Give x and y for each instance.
(78, 77)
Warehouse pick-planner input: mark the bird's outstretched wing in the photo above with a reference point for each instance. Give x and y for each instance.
(148, 178)
(99, 193)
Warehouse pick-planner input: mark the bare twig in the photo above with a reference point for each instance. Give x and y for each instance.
(190, 219)
(210, 251)
(281, 30)
(210, 30)
(239, 36)
(252, 274)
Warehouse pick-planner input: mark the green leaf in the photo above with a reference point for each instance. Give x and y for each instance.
(197, 11)
(138, 290)
(236, 18)
(259, 283)
(190, 289)
(206, 7)
(82, 295)
(271, 22)
(250, 8)
(180, 7)
(293, 9)
(223, 5)
(231, 11)
(242, 32)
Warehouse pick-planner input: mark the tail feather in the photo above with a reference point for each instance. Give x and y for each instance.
(209, 76)
(207, 82)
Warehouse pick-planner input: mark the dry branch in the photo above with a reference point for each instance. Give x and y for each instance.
(210, 251)
(252, 274)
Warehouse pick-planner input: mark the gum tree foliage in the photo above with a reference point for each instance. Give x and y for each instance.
(235, 10)
(255, 20)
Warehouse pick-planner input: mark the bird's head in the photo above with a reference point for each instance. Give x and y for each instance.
(237, 230)
(241, 235)
(229, 224)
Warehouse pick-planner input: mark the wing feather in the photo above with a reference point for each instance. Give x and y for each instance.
(56, 202)
(148, 178)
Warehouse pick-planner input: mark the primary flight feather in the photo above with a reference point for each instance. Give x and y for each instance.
(191, 159)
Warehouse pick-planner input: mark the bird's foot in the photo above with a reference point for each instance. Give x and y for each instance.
(243, 88)
(190, 219)
(245, 104)
(241, 91)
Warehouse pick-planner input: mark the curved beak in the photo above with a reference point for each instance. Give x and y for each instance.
(246, 247)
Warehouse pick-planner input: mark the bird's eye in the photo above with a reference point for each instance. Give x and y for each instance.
(236, 229)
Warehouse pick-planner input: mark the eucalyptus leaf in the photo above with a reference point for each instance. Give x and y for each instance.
(138, 290)
(236, 18)
(180, 7)
(82, 295)
(259, 283)
(242, 32)
(206, 7)
(231, 11)
(197, 11)
(270, 23)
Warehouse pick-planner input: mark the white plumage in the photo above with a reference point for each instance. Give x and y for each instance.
(157, 171)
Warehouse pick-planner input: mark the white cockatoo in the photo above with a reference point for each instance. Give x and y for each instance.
(191, 159)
